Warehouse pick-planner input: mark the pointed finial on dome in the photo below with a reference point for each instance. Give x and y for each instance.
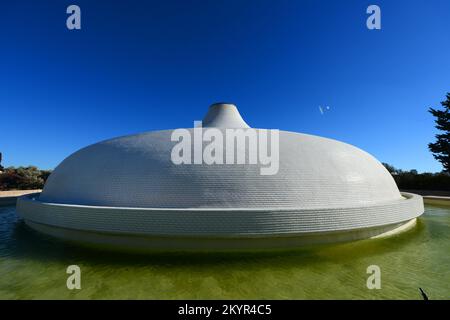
(224, 115)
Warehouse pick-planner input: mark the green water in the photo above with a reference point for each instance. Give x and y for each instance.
(33, 266)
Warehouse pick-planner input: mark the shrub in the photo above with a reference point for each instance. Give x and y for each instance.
(23, 178)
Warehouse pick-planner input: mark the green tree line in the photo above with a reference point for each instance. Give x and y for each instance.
(22, 178)
(419, 181)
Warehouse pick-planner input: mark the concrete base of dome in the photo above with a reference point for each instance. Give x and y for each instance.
(135, 243)
(231, 229)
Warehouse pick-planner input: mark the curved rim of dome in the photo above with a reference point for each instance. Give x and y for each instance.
(218, 223)
(405, 196)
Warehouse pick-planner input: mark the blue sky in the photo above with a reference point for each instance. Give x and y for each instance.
(139, 66)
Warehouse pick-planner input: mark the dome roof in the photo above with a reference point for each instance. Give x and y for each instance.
(137, 171)
(132, 185)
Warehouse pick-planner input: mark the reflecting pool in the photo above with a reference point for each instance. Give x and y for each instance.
(33, 266)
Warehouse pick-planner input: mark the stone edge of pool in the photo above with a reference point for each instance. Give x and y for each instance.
(8, 198)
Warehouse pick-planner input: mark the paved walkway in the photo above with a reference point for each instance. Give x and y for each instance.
(429, 193)
(10, 197)
(17, 193)
(433, 196)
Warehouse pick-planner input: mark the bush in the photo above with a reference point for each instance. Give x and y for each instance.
(23, 178)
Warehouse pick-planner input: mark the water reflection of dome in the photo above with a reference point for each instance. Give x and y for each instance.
(324, 190)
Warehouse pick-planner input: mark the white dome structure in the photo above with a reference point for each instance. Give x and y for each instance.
(128, 192)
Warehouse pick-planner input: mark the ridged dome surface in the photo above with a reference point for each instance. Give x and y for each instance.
(136, 171)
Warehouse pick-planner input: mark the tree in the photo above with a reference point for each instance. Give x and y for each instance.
(23, 178)
(392, 170)
(441, 148)
(412, 180)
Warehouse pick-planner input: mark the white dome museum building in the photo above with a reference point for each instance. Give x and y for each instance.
(205, 187)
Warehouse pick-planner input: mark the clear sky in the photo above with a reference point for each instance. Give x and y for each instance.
(138, 66)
